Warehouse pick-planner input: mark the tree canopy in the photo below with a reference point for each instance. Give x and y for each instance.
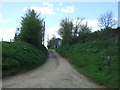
(31, 28)
(70, 31)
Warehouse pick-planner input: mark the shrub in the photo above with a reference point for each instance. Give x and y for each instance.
(21, 56)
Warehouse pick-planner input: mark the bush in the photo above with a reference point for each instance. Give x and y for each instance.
(17, 57)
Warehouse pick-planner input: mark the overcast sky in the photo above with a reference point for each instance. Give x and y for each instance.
(53, 12)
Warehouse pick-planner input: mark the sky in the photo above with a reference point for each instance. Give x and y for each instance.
(53, 13)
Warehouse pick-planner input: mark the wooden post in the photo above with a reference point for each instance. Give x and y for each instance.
(108, 59)
(43, 32)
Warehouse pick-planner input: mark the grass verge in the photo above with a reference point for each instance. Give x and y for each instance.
(18, 57)
(90, 58)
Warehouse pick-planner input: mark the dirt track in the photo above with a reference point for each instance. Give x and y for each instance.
(55, 73)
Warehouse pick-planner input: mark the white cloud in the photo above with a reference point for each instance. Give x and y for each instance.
(42, 10)
(25, 9)
(58, 9)
(50, 32)
(7, 33)
(60, 4)
(67, 9)
(48, 4)
(91, 23)
(2, 20)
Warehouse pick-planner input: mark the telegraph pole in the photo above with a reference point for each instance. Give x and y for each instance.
(43, 33)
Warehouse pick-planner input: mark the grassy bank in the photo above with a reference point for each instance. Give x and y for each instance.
(18, 57)
(90, 58)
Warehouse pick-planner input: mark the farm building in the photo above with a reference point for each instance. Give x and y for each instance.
(57, 43)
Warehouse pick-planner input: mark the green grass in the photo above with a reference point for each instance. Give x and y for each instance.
(90, 58)
(52, 48)
(18, 57)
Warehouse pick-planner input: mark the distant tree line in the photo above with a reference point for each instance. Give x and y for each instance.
(51, 42)
(73, 32)
(70, 31)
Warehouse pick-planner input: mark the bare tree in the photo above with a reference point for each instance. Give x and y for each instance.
(106, 20)
(77, 26)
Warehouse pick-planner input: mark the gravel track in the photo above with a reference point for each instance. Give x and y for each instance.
(55, 73)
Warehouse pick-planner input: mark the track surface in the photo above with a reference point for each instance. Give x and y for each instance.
(55, 73)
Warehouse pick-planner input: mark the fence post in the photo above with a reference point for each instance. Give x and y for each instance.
(108, 60)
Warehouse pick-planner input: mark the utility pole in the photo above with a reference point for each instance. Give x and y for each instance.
(43, 33)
